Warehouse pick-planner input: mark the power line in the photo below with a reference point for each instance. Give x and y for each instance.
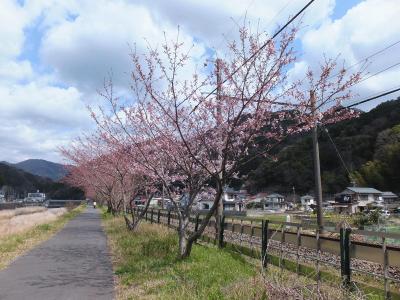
(370, 98)
(239, 19)
(379, 72)
(369, 56)
(375, 53)
(261, 48)
(337, 151)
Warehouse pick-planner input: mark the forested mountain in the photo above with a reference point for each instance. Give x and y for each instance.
(42, 168)
(17, 182)
(369, 146)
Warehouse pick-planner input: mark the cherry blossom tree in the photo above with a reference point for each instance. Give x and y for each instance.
(189, 129)
(188, 139)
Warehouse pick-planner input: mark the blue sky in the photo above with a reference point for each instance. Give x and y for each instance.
(56, 53)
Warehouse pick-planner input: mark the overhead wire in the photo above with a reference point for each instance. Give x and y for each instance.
(377, 73)
(337, 150)
(370, 98)
(258, 50)
(365, 59)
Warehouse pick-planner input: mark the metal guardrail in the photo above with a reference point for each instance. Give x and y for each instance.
(290, 239)
(49, 204)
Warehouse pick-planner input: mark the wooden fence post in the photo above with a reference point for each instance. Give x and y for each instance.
(158, 216)
(264, 242)
(385, 269)
(298, 239)
(169, 218)
(221, 232)
(345, 256)
(151, 216)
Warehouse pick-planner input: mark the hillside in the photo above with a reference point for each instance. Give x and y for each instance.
(42, 168)
(369, 146)
(17, 182)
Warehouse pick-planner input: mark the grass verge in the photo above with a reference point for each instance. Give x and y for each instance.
(14, 245)
(146, 267)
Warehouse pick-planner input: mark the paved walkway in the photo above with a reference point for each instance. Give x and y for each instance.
(73, 264)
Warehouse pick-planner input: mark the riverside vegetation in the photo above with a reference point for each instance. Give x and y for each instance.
(13, 245)
(146, 266)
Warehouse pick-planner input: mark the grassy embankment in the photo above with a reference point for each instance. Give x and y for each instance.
(146, 267)
(15, 244)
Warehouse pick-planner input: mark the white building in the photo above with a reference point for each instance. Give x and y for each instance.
(271, 202)
(275, 202)
(307, 202)
(356, 199)
(232, 200)
(36, 197)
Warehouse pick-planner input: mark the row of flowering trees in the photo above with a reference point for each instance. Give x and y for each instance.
(177, 138)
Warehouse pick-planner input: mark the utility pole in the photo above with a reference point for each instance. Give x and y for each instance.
(294, 196)
(317, 167)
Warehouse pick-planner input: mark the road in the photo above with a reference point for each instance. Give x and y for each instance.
(73, 264)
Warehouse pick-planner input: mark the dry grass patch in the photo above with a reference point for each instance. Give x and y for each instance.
(22, 221)
(10, 213)
(13, 245)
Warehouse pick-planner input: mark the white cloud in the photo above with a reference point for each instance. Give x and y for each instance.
(43, 102)
(363, 30)
(36, 118)
(11, 30)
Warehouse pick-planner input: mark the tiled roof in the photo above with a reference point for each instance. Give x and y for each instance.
(275, 195)
(363, 190)
(388, 194)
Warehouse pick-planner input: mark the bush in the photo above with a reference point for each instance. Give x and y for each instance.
(369, 218)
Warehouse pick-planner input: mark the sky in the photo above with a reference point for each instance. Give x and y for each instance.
(55, 54)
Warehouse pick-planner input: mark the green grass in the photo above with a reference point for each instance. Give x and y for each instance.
(16, 244)
(146, 265)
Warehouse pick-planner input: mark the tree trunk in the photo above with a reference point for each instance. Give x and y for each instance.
(185, 242)
(185, 247)
(136, 219)
(109, 207)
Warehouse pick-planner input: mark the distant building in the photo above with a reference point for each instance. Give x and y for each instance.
(390, 201)
(233, 200)
(307, 202)
(356, 199)
(35, 197)
(272, 202)
(275, 202)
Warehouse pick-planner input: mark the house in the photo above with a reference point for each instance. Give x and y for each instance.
(272, 202)
(35, 197)
(233, 200)
(390, 201)
(275, 202)
(307, 202)
(356, 199)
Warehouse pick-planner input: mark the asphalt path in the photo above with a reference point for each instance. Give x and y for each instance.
(73, 264)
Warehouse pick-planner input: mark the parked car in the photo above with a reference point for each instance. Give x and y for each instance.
(385, 213)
